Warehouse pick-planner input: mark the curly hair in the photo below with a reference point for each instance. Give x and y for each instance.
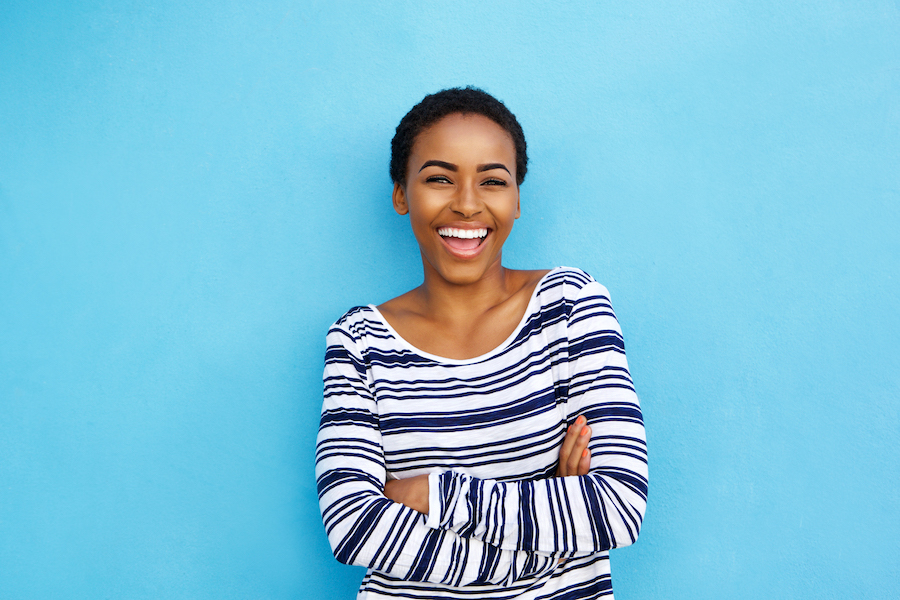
(434, 107)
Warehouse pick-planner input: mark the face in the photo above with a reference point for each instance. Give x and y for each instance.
(461, 196)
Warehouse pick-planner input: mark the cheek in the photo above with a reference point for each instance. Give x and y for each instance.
(421, 227)
(510, 211)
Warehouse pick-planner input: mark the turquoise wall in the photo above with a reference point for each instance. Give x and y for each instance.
(190, 196)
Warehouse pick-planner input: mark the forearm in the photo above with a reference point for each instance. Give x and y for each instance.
(370, 530)
(599, 510)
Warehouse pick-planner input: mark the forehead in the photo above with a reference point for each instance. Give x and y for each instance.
(464, 135)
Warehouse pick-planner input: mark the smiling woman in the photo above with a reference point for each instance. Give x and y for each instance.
(480, 434)
(462, 200)
(460, 186)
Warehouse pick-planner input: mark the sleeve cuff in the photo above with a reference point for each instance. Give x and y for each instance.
(434, 501)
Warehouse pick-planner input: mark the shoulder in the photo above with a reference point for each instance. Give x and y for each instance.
(571, 283)
(356, 325)
(401, 310)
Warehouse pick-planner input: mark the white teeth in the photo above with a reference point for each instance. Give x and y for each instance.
(465, 234)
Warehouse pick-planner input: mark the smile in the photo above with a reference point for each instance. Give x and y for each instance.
(463, 243)
(465, 234)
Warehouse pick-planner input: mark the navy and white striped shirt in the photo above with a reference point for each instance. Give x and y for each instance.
(488, 431)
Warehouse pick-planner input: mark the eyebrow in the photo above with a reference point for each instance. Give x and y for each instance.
(439, 163)
(454, 168)
(491, 166)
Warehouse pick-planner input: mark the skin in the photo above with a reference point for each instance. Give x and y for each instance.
(462, 174)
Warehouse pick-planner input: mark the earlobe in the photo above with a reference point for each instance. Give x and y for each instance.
(399, 198)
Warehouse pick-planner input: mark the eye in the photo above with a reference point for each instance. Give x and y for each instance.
(494, 181)
(437, 179)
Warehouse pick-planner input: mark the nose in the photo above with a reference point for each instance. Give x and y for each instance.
(466, 202)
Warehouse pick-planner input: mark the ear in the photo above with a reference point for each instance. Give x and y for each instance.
(399, 198)
(518, 207)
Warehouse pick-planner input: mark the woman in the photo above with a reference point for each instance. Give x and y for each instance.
(480, 435)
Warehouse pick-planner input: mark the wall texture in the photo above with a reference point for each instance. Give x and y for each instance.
(190, 196)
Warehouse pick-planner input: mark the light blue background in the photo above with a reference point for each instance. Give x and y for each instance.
(189, 196)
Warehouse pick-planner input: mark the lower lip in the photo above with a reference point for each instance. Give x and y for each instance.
(465, 254)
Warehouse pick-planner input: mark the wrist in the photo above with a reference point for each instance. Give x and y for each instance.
(411, 492)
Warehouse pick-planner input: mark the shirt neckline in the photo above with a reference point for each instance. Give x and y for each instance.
(529, 310)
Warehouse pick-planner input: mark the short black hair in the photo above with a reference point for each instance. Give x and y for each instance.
(434, 107)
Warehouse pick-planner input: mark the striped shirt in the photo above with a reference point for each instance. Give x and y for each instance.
(487, 430)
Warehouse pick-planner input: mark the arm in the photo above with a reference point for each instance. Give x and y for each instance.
(574, 459)
(364, 527)
(595, 512)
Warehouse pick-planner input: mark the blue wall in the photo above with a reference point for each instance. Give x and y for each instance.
(190, 196)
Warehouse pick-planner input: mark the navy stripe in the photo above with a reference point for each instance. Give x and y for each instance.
(491, 429)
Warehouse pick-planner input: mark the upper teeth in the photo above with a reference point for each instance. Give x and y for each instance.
(462, 233)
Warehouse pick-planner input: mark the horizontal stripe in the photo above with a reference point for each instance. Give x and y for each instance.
(488, 431)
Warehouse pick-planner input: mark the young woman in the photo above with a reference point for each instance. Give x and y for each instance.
(480, 435)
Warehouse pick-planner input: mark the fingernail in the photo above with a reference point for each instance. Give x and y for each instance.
(579, 420)
(584, 453)
(585, 430)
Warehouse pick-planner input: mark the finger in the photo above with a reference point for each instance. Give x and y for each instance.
(584, 465)
(567, 446)
(574, 459)
(565, 450)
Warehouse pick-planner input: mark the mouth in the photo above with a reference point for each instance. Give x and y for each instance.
(463, 243)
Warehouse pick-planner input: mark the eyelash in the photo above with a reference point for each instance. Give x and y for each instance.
(442, 179)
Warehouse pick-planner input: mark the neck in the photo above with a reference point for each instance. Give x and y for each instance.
(443, 299)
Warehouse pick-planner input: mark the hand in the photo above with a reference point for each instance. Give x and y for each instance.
(411, 492)
(574, 456)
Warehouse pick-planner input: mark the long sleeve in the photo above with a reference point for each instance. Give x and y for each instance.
(363, 526)
(572, 515)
